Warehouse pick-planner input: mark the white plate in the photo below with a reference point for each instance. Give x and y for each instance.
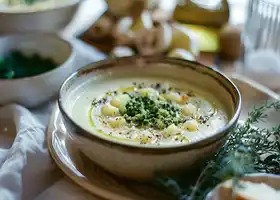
(97, 181)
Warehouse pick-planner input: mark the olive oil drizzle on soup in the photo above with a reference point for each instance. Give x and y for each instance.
(153, 114)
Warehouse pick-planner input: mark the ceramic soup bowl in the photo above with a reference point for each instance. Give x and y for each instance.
(135, 160)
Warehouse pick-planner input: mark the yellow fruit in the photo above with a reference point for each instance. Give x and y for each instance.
(208, 38)
(184, 38)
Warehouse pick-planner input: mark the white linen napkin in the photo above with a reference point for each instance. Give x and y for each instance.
(27, 171)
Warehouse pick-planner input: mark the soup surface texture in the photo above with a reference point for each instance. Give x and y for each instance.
(148, 112)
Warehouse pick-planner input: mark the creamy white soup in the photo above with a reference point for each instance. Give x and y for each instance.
(147, 112)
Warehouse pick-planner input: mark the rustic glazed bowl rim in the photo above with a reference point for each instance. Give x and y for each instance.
(29, 11)
(66, 62)
(115, 62)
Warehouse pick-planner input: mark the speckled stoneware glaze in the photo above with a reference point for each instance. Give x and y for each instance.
(141, 162)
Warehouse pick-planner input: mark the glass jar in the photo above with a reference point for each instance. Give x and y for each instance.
(261, 43)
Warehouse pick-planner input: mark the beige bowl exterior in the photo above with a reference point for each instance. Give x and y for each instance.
(139, 165)
(136, 161)
(49, 20)
(35, 90)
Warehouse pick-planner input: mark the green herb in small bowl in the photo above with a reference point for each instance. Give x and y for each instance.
(32, 67)
(17, 65)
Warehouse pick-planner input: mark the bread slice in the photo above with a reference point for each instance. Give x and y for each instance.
(247, 191)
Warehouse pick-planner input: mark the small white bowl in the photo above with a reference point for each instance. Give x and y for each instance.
(34, 90)
(51, 19)
(269, 179)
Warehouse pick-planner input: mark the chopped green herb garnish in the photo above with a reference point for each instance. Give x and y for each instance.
(144, 111)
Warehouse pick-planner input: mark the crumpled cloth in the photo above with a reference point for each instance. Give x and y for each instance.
(27, 171)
